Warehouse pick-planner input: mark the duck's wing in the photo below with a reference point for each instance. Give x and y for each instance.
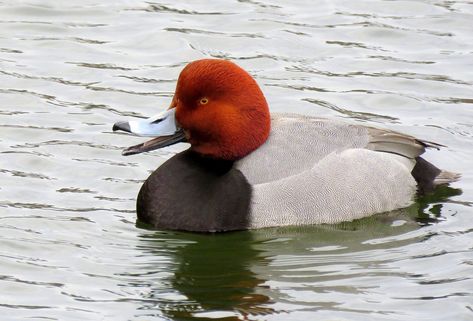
(297, 143)
(383, 140)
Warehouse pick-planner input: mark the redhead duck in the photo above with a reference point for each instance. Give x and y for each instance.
(248, 169)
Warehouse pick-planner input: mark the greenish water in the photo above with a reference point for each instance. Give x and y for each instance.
(70, 248)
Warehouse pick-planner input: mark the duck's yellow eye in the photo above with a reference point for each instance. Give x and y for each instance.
(203, 101)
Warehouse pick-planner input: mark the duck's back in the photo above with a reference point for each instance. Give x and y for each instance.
(296, 144)
(314, 170)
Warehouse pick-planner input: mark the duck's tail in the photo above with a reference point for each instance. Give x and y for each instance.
(446, 177)
(428, 176)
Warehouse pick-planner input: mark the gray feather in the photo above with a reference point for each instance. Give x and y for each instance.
(315, 170)
(392, 142)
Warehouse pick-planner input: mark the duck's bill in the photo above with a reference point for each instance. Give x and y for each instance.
(162, 127)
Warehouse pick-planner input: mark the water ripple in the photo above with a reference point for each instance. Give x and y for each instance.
(351, 113)
(208, 32)
(157, 7)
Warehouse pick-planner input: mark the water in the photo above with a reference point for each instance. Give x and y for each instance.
(70, 249)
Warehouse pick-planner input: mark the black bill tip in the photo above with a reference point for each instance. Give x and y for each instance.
(122, 125)
(132, 150)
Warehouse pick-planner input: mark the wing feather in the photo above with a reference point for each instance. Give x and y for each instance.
(401, 144)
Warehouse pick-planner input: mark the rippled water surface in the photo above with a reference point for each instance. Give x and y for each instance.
(70, 248)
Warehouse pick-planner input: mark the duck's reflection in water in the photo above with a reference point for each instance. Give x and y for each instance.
(213, 276)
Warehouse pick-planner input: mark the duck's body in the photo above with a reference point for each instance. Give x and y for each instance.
(309, 171)
(304, 171)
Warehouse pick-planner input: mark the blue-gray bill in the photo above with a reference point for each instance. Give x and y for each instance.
(163, 127)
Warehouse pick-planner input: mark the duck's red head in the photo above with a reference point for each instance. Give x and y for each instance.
(219, 108)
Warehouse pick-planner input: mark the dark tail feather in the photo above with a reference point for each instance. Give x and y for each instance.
(428, 176)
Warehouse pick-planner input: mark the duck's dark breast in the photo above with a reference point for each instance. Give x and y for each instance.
(192, 193)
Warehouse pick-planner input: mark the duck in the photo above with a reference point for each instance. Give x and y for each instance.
(248, 169)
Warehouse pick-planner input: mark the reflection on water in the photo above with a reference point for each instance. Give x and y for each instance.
(430, 205)
(212, 273)
(70, 249)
